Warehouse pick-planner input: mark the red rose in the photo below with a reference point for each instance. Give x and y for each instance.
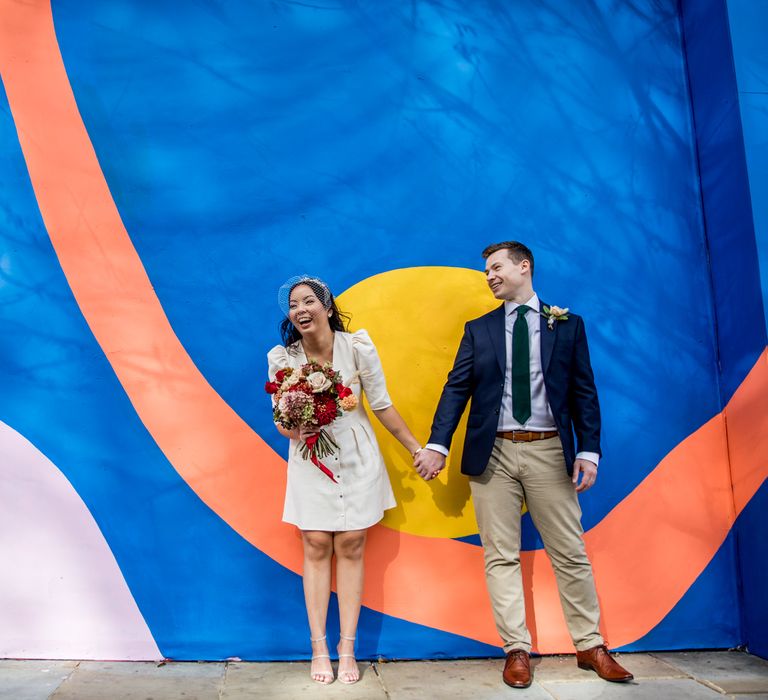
(343, 391)
(280, 376)
(271, 387)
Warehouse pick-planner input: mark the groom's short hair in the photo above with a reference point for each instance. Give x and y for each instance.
(516, 250)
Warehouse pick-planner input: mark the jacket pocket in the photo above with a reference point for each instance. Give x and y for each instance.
(475, 421)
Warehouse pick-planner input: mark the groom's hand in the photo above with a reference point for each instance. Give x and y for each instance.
(588, 471)
(429, 463)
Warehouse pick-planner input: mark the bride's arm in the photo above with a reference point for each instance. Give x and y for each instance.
(393, 421)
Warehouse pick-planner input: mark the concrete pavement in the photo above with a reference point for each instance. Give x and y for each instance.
(658, 676)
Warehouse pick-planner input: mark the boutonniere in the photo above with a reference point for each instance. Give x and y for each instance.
(554, 313)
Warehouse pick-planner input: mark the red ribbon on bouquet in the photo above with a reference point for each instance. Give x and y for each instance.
(311, 442)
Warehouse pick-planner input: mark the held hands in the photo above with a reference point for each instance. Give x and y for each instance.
(428, 463)
(588, 471)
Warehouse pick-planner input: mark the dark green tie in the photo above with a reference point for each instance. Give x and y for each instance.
(521, 367)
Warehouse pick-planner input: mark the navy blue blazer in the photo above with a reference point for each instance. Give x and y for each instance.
(478, 375)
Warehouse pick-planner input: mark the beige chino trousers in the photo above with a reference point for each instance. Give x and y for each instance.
(534, 472)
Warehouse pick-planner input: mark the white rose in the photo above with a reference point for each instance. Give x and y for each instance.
(557, 311)
(318, 382)
(292, 379)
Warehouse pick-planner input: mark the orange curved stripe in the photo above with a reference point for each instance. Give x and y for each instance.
(646, 552)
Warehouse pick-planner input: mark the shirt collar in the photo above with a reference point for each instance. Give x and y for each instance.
(510, 306)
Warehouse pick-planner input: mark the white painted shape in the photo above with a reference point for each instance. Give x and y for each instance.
(62, 594)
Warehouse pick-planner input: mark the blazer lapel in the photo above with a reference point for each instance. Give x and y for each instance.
(496, 329)
(547, 338)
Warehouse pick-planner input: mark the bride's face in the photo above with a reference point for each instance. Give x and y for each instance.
(306, 312)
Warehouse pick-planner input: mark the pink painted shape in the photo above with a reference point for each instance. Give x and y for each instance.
(62, 594)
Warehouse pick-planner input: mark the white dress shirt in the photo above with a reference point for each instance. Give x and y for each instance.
(541, 419)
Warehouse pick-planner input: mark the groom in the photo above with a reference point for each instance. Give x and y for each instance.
(525, 367)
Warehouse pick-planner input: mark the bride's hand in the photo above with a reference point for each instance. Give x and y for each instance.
(306, 431)
(428, 463)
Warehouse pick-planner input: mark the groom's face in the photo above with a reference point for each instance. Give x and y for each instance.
(505, 277)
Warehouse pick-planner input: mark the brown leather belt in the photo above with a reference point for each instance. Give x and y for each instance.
(526, 435)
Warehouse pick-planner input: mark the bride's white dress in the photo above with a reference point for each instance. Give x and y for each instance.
(363, 491)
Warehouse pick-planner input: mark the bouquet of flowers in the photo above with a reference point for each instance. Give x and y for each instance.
(312, 395)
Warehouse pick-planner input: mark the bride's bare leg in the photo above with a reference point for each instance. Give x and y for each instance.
(349, 548)
(318, 551)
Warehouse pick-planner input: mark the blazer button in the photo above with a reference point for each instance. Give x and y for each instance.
(497, 411)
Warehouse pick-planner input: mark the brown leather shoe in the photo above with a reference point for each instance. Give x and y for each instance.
(598, 659)
(517, 669)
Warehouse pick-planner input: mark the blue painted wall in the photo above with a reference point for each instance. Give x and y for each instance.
(749, 27)
(239, 136)
(748, 21)
(728, 74)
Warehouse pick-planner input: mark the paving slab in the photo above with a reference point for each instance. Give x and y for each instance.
(564, 668)
(479, 679)
(666, 689)
(292, 680)
(130, 680)
(32, 680)
(731, 671)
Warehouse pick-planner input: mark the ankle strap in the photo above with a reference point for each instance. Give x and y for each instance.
(349, 639)
(319, 639)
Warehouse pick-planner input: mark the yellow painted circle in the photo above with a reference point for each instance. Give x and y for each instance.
(416, 318)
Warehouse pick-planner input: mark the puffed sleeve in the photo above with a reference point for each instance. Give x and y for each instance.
(371, 373)
(277, 358)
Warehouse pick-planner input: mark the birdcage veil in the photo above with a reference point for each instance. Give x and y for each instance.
(317, 285)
